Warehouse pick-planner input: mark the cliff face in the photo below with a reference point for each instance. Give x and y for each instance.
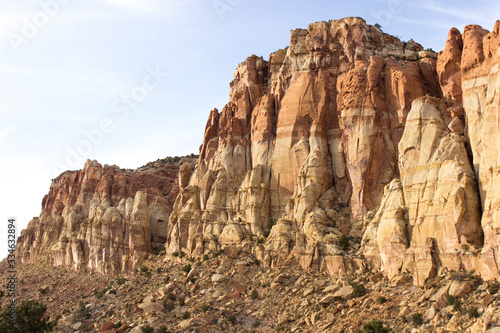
(102, 218)
(346, 131)
(314, 129)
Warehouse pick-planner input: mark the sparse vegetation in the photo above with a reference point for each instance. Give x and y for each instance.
(186, 268)
(186, 315)
(147, 329)
(270, 224)
(417, 319)
(473, 312)
(82, 312)
(493, 288)
(168, 305)
(100, 294)
(232, 319)
(254, 294)
(205, 257)
(359, 290)
(376, 326)
(451, 300)
(381, 300)
(344, 243)
(205, 307)
(120, 281)
(30, 317)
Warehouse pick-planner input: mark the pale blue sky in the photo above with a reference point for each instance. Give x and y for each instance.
(68, 70)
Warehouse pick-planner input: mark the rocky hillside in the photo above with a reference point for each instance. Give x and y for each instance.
(347, 139)
(104, 218)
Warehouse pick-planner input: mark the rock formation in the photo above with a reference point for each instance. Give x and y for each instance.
(347, 131)
(103, 218)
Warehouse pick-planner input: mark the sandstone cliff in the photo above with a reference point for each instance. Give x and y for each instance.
(103, 218)
(346, 131)
(311, 131)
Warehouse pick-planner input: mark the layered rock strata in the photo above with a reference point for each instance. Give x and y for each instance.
(307, 142)
(103, 218)
(347, 131)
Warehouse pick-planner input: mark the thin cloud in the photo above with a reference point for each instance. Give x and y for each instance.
(466, 15)
(142, 5)
(5, 132)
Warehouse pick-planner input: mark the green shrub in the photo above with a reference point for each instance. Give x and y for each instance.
(417, 319)
(182, 302)
(260, 240)
(168, 305)
(2, 293)
(144, 269)
(493, 289)
(112, 291)
(175, 254)
(451, 300)
(182, 254)
(344, 243)
(158, 270)
(170, 296)
(205, 307)
(473, 312)
(82, 312)
(256, 262)
(205, 257)
(41, 291)
(359, 291)
(256, 323)
(118, 324)
(381, 300)
(147, 329)
(186, 315)
(267, 230)
(120, 281)
(186, 268)
(29, 318)
(254, 294)
(375, 326)
(231, 318)
(100, 294)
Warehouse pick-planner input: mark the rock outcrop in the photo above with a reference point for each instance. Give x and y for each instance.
(347, 131)
(307, 142)
(103, 218)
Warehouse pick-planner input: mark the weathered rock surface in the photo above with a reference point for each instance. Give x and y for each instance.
(346, 132)
(102, 218)
(308, 140)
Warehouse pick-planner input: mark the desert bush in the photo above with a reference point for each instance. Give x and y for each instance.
(493, 289)
(359, 290)
(30, 317)
(417, 319)
(375, 326)
(344, 243)
(473, 312)
(147, 329)
(82, 312)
